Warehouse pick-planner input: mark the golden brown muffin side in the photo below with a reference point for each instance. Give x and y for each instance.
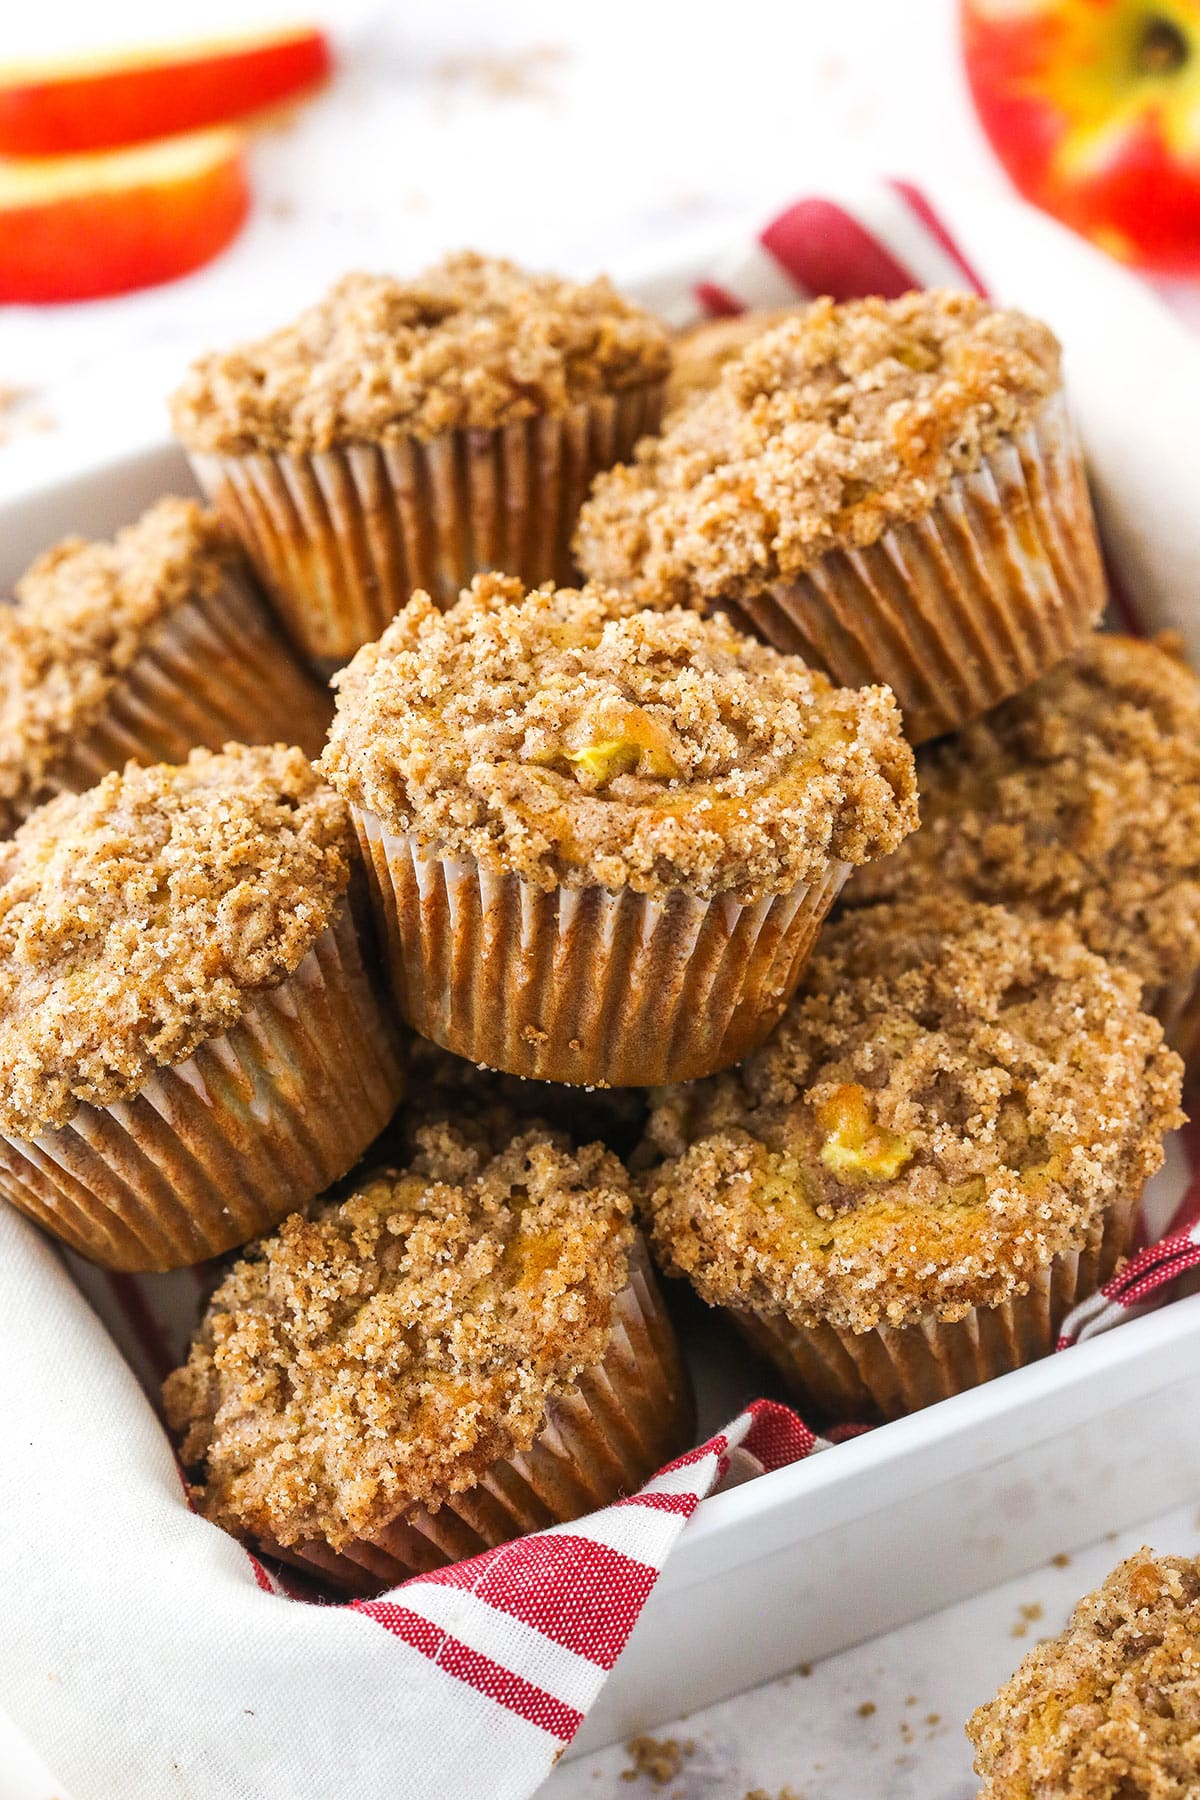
(1111, 1706)
(82, 614)
(819, 436)
(472, 342)
(952, 1098)
(387, 1351)
(572, 740)
(1080, 799)
(136, 919)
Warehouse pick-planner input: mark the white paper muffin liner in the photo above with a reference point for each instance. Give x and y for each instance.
(578, 985)
(216, 1150)
(969, 603)
(341, 538)
(892, 1370)
(604, 1437)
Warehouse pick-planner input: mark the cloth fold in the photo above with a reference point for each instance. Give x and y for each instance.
(147, 1654)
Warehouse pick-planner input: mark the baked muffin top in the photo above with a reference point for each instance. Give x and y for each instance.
(1079, 798)
(385, 1352)
(699, 352)
(137, 920)
(82, 614)
(1111, 1706)
(572, 740)
(951, 1098)
(471, 342)
(820, 435)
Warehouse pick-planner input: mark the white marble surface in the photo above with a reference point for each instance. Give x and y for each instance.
(579, 138)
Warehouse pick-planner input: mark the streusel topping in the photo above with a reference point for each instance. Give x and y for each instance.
(699, 352)
(951, 1099)
(1109, 1708)
(1080, 798)
(570, 739)
(385, 1352)
(820, 435)
(136, 919)
(472, 342)
(82, 615)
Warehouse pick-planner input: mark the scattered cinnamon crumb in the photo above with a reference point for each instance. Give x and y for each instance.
(866, 1709)
(1061, 1560)
(495, 75)
(658, 1759)
(804, 1669)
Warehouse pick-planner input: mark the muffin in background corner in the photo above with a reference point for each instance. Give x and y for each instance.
(601, 841)
(407, 434)
(464, 1350)
(1111, 1706)
(1078, 799)
(141, 649)
(191, 1044)
(893, 490)
(699, 352)
(939, 1151)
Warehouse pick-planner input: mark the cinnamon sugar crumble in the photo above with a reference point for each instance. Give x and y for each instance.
(1112, 1705)
(1080, 799)
(136, 919)
(572, 740)
(820, 435)
(387, 1351)
(471, 342)
(82, 615)
(700, 352)
(950, 1100)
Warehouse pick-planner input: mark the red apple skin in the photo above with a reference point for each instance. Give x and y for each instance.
(99, 235)
(1026, 69)
(155, 94)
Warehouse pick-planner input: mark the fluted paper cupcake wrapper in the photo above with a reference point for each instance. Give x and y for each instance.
(212, 1152)
(966, 605)
(603, 1438)
(578, 985)
(341, 538)
(212, 671)
(894, 1370)
(1176, 1005)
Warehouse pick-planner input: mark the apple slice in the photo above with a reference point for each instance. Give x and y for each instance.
(77, 227)
(131, 96)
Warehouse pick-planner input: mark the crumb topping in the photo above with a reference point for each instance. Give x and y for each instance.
(820, 435)
(953, 1096)
(136, 919)
(387, 1351)
(1080, 799)
(572, 740)
(82, 614)
(471, 342)
(699, 352)
(1110, 1707)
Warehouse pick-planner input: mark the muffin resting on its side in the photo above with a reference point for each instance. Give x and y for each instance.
(143, 648)
(190, 1046)
(939, 1151)
(1110, 1707)
(891, 489)
(458, 1353)
(1079, 799)
(405, 434)
(601, 841)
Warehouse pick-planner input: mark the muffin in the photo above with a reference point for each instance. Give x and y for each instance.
(1110, 1707)
(140, 648)
(699, 352)
(941, 1149)
(190, 1042)
(891, 489)
(461, 1351)
(601, 841)
(405, 434)
(1079, 799)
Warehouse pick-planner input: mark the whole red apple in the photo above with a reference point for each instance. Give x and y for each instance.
(1093, 107)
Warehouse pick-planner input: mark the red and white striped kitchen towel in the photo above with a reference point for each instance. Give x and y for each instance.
(144, 1652)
